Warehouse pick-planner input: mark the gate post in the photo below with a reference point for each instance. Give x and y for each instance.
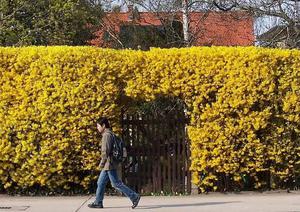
(121, 166)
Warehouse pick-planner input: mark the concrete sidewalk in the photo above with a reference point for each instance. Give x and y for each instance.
(244, 202)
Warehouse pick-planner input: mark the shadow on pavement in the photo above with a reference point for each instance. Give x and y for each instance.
(183, 205)
(143, 207)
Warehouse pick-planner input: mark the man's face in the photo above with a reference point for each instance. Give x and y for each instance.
(101, 128)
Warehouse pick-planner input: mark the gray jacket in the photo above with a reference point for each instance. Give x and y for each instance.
(106, 148)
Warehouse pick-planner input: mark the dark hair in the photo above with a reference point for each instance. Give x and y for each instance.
(103, 120)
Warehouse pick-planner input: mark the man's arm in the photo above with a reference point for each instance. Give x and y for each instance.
(105, 149)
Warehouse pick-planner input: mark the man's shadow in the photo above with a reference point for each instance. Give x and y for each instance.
(143, 207)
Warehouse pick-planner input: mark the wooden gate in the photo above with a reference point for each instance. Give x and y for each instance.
(158, 154)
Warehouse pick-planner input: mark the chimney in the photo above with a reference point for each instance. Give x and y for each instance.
(130, 12)
(130, 8)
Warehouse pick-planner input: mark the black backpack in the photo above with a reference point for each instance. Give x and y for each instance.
(118, 152)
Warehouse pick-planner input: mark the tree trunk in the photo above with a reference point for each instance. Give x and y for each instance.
(185, 22)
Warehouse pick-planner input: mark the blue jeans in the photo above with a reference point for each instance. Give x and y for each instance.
(115, 182)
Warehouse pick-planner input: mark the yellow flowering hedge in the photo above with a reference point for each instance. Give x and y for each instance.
(244, 105)
(49, 101)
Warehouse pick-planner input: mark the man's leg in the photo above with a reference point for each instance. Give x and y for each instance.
(101, 183)
(119, 185)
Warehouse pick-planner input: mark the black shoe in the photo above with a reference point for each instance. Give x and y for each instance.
(95, 205)
(136, 202)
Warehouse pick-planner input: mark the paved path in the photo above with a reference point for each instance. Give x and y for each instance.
(252, 202)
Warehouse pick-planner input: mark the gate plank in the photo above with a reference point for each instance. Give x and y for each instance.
(159, 159)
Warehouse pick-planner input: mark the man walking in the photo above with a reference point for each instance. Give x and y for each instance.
(109, 169)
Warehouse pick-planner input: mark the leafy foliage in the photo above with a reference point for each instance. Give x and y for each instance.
(44, 22)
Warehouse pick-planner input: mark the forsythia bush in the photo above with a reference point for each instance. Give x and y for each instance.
(244, 106)
(49, 101)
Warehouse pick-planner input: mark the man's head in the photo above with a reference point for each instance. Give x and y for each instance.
(102, 124)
